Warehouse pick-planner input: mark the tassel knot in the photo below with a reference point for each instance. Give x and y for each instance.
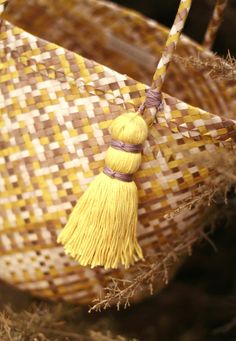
(153, 99)
(117, 175)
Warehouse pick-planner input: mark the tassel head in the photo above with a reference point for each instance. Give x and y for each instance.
(101, 230)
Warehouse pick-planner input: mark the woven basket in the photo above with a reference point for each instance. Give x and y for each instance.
(56, 108)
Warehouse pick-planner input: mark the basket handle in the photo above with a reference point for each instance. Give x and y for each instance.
(214, 24)
(153, 96)
(171, 44)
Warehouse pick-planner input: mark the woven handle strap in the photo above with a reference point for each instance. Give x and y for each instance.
(153, 96)
(171, 44)
(214, 24)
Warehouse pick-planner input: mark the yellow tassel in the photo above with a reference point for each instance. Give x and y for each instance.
(101, 230)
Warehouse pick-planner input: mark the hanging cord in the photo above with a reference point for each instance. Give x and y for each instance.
(153, 96)
(214, 24)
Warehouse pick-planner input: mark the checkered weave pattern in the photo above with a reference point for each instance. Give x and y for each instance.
(55, 110)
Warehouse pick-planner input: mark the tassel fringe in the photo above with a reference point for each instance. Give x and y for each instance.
(101, 230)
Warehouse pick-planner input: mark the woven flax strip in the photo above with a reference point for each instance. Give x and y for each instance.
(214, 23)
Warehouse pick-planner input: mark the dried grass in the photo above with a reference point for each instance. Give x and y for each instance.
(108, 336)
(47, 323)
(121, 292)
(217, 68)
(155, 271)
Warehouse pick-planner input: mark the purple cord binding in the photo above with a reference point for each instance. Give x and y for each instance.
(127, 147)
(153, 99)
(117, 175)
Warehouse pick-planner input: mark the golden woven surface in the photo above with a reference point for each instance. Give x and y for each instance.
(56, 107)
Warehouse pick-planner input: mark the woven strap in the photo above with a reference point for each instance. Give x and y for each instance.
(171, 44)
(153, 96)
(214, 24)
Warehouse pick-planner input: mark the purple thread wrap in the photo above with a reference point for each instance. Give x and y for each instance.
(153, 99)
(126, 147)
(117, 175)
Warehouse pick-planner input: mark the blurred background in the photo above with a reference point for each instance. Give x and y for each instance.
(200, 303)
(164, 12)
